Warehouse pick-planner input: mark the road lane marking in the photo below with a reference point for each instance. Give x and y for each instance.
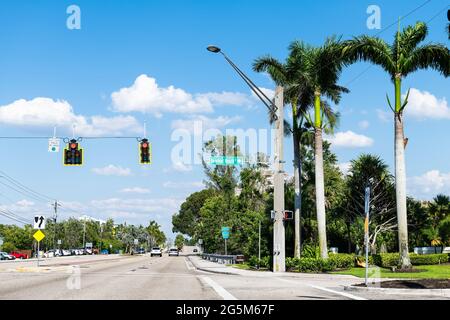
(218, 288)
(188, 265)
(348, 295)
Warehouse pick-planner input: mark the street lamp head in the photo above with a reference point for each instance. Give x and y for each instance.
(213, 49)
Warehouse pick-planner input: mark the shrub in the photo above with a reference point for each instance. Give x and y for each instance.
(263, 263)
(342, 260)
(424, 259)
(387, 260)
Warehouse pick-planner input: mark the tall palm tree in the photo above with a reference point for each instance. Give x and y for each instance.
(322, 68)
(299, 78)
(400, 59)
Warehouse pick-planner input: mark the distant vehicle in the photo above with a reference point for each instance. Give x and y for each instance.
(104, 251)
(18, 255)
(195, 250)
(2, 257)
(88, 251)
(7, 256)
(141, 251)
(156, 251)
(173, 252)
(66, 253)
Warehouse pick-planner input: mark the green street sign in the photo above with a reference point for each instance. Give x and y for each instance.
(226, 160)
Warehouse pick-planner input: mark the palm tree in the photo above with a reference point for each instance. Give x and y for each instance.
(321, 67)
(400, 59)
(299, 78)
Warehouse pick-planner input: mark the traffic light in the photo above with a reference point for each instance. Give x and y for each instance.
(145, 152)
(73, 155)
(288, 215)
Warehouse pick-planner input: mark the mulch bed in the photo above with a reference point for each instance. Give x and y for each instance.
(413, 284)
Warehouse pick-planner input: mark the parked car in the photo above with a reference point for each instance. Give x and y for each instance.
(7, 256)
(156, 251)
(66, 253)
(174, 252)
(18, 255)
(4, 256)
(141, 251)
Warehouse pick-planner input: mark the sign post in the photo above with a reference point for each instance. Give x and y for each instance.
(366, 229)
(39, 224)
(225, 236)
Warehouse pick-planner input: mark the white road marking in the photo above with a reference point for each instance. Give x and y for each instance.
(188, 265)
(348, 295)
(219, 289)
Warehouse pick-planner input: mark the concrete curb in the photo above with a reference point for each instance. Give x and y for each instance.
(209, 270)
(421, 292)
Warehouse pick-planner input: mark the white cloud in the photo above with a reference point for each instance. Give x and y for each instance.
(204, 122)
(112, 170)
(364, 124)
(45, 112)
(385, 116)
(144, 95)
(423, 105)
(429, 184)
(344, 167)
(137, 206)
(135, 190)
(349, 139)
(182, 185)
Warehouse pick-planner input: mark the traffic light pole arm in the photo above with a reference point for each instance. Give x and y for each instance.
(259, 93)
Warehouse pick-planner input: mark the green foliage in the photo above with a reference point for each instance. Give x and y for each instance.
(8, 247)
(263, 263)
(179, 241)
(387, 260)
(312, 264)
(342, 260)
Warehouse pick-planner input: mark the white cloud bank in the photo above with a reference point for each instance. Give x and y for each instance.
(138, 190)
(423, 105)
(43, 112)
(112, 170)
(349, 139)
(429, 184)
(146, 96)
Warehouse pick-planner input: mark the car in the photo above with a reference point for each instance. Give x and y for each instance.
(156, 251)
(18, 255)
(141, 251)
(7, 256)
(66, 252)
(174, 252)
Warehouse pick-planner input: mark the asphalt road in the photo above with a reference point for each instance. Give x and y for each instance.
(175, 278)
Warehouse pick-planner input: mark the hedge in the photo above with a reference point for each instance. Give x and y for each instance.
(263, 263)
(334, 261)
(387, 260)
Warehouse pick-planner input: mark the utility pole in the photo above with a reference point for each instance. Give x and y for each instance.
(55, 207)
(84, 235)
(278, 193)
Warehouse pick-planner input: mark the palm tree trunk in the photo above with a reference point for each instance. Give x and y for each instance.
(400, 179)
(320, 184)
(297, 188)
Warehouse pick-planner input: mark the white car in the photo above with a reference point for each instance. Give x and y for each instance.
(173, 252)
(156, 251)
(7, 256)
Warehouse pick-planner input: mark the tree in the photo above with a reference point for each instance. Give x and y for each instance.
(179, 241)
(370, 170)
(299, 93)
(189, 214)
(321, 67)
(400, 59)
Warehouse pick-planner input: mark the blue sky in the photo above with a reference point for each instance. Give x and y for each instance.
(97, 77)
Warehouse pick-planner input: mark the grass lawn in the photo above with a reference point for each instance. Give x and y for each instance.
(427, 272)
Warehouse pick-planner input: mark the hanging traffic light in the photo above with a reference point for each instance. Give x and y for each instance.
(73, 155)
(145, 156)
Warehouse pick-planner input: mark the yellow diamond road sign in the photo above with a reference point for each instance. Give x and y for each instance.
(39, 235)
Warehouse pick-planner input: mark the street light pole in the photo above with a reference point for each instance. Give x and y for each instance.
(277, 112)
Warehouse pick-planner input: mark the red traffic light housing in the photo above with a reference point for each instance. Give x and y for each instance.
(73, 155)
(288, 215)
(145, 156)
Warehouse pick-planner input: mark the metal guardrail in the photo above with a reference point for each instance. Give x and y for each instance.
(223, 259)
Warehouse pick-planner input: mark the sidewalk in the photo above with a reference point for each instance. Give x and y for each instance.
(208, 266)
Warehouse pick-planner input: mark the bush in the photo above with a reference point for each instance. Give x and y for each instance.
(263, 263)
(342, 260)
(424, 259)
(387, 260)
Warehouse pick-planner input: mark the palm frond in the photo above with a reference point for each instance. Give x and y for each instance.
(434, 56)
(273, 67)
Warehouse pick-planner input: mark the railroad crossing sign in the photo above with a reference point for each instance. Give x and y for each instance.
(39, 222)
(39, 235)
(53, 145)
